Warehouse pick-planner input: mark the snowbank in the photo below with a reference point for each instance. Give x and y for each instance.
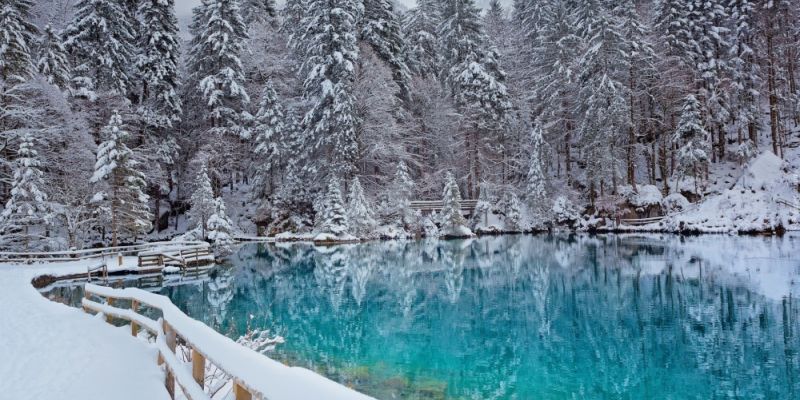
(755, 203)
(52, 351)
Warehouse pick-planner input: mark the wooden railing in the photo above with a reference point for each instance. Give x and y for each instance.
(640, 221)
(437, 205)
(174, 325)
(103, 252)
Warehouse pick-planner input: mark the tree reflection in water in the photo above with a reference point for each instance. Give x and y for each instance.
(520, 317)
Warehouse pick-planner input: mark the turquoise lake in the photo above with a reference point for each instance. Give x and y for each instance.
(523, 317)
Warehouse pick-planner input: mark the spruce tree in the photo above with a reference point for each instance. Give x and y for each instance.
(380, 28)
(331, 53)
(452, 223)
(121, 184)
(359, 210)
(257, 11)
(512, 211)
(202, 201)
(220, 227)
(480, 215)
(333, 217)
(420, 30)
(101, 43)
(17, 41)
(270, 133)
(692, 138)
(215, 65)
(536, 183)
(53, 63)
(159, 63)
(27, 208)
(400, 192)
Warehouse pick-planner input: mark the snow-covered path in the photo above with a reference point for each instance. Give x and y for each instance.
(52, 351)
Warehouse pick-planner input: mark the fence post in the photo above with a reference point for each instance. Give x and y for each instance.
(134, 325)
(169, 334)
(110, 302)
(198, 367)
(119, 259)
(240, 393)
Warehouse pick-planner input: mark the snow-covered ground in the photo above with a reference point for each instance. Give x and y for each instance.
(51, 351)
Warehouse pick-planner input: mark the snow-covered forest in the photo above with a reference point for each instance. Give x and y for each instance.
(120, 122)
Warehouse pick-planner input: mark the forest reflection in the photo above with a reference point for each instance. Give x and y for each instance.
(547, 317)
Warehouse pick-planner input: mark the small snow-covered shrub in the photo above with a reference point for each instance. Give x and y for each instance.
(673, 203)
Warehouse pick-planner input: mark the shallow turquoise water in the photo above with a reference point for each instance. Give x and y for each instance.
(525, 317)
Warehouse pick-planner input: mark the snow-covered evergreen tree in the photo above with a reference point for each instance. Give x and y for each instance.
(17, 40)
(400, 191)
(452, 223)
(159, 63)
(101, 42)
(255, 11)
(480, 215)
(27, 209)
(420, 30)
(215, 65)
(220, 228)
(120, 184)
(692, 138)
(53, 63)
(202, 201)
(536, 183)
(270, 133)
(380, 28)
(512, 211)
(332, 221)
(331, 53)
(359, 210)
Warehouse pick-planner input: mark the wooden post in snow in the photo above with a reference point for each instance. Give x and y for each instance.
(169, 334)
(198, 367)
(134, 325)
(240, 393)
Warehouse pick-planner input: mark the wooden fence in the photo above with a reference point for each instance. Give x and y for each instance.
(172, 327)
(103, 252)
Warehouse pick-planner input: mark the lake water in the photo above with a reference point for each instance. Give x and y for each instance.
(523, 317)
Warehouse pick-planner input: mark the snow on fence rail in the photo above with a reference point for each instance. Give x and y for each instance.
(252, 373)
(437, 205)
(102, 252)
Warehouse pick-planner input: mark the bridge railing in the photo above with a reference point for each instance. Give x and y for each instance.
(101, 252)
(245, 367)
(437, 205)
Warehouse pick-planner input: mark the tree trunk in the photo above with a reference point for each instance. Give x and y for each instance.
(773, 95)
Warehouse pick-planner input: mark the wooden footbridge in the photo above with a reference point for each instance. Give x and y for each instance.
(431, 206)
(151, 257)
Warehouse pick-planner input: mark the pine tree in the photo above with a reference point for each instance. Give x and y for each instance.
(27, 208)
(100, 40)
(202, 201)
(220, 227)
(480, 215)
(159, 63)
(16, 40)
(512, 211)
(333, 217)
(380, 28)
(257, 11)
(359, 210)
(476, 80)
(420, 30)
(331, 53)
(270, 133)
(692, 138)
(53, 62)
(452, 223)
(397, 209)
(121, 184)
(536, 184)
(215, 65)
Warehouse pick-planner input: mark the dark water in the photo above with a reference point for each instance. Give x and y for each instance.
(523, 317)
